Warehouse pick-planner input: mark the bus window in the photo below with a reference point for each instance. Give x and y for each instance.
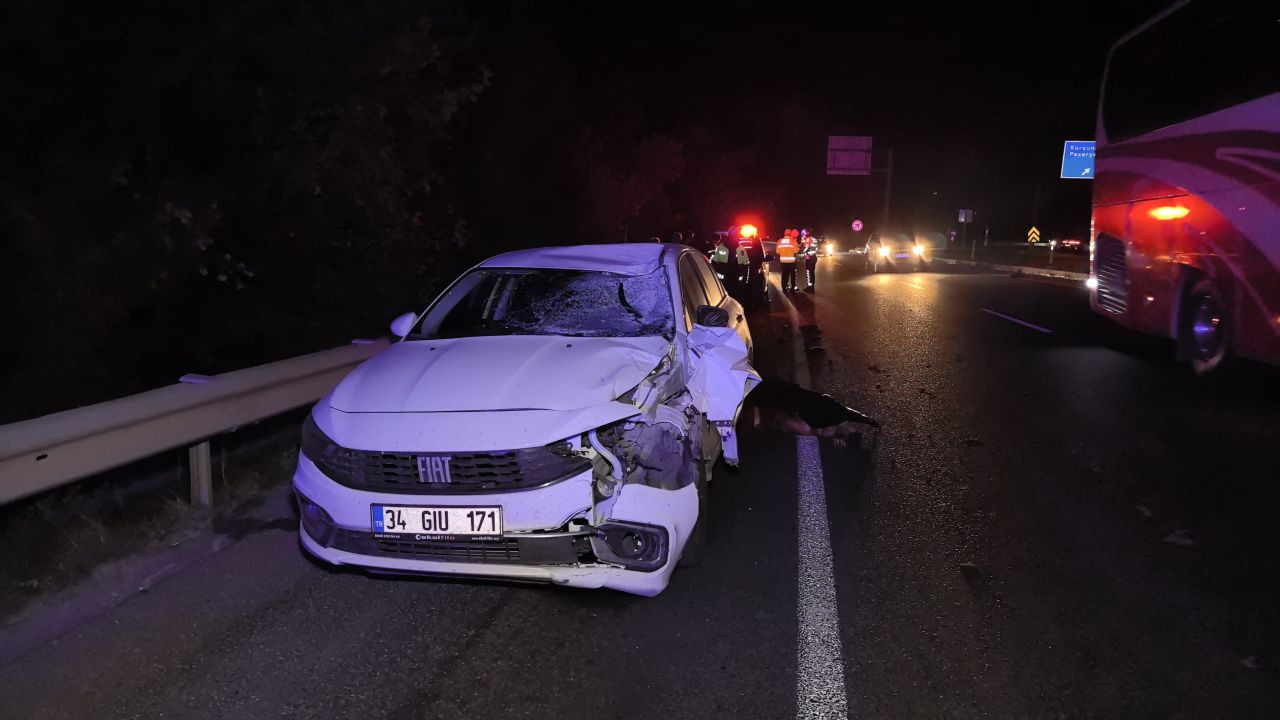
(1203, 57)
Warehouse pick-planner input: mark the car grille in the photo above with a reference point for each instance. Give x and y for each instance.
(509, 550)
(1110, 269)
(494, 551)
(500, 471)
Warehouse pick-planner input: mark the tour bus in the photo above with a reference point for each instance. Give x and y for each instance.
(1185, 234)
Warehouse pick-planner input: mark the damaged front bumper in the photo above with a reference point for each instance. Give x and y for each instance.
(551, 533)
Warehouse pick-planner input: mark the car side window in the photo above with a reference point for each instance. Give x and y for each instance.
(691, 290)
(715, 291)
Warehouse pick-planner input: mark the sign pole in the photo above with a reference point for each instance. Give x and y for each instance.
(888, 190)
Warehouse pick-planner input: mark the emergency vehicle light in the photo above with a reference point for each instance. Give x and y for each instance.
(747, 231)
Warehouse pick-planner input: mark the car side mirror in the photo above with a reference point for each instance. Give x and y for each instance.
(711, 316)
(403, 324)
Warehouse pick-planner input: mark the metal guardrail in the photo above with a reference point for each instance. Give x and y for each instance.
(54, 450)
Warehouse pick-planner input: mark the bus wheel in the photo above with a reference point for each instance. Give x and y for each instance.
(1206, 326)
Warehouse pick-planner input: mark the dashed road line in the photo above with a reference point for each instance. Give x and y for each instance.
(1012, 319)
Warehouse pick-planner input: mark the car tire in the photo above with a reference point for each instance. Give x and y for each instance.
(1205, 327)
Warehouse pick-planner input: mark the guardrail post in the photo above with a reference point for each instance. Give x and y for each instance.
(201, 474)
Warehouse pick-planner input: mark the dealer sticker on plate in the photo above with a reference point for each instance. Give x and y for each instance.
(437, 523)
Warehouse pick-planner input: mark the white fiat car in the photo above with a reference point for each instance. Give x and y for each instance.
(553, 416)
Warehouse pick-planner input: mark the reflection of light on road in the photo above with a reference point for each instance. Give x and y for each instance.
(1013, 319)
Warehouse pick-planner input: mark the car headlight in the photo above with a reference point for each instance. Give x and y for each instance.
(885, 250)
(317, 446)
(918, 250)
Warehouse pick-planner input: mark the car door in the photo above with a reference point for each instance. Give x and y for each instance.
(705, 289)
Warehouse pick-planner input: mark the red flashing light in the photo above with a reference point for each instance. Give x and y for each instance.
(1169, 212)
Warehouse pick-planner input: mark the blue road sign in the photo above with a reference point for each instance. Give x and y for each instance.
(1077, 159)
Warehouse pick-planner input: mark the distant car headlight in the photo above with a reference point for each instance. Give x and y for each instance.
(918, 250)
(885, 250)
(831, 248)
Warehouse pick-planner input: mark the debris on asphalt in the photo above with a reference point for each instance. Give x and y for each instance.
(972, 574)
(1250, 662)
(873, 368)
(973, 442)
(1179, 538)
(1146, 511)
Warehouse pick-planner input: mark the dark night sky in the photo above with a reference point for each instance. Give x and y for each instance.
(975, 98)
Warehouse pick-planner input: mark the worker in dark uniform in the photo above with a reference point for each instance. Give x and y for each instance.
(810, 259)
(750, 257)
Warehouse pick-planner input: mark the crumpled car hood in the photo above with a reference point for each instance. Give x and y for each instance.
(506, 372)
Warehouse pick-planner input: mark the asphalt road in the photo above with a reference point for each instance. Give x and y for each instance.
(1060, 524)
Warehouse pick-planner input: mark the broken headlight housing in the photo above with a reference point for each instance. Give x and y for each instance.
(635, 546)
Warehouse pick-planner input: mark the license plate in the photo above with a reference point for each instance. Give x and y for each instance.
(437, 523)
(901, 256)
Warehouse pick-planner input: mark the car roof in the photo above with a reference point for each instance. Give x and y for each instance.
(621, 258)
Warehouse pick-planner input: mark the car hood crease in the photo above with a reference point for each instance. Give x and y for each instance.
(498, 373)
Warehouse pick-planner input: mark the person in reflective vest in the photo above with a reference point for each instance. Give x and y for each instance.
(720, 261)
(722, 253)
(786, 252)
(810, 259)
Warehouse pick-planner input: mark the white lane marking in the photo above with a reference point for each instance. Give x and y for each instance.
(1023, 323)
(820, 691)
(911, 285)
(800, 363)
